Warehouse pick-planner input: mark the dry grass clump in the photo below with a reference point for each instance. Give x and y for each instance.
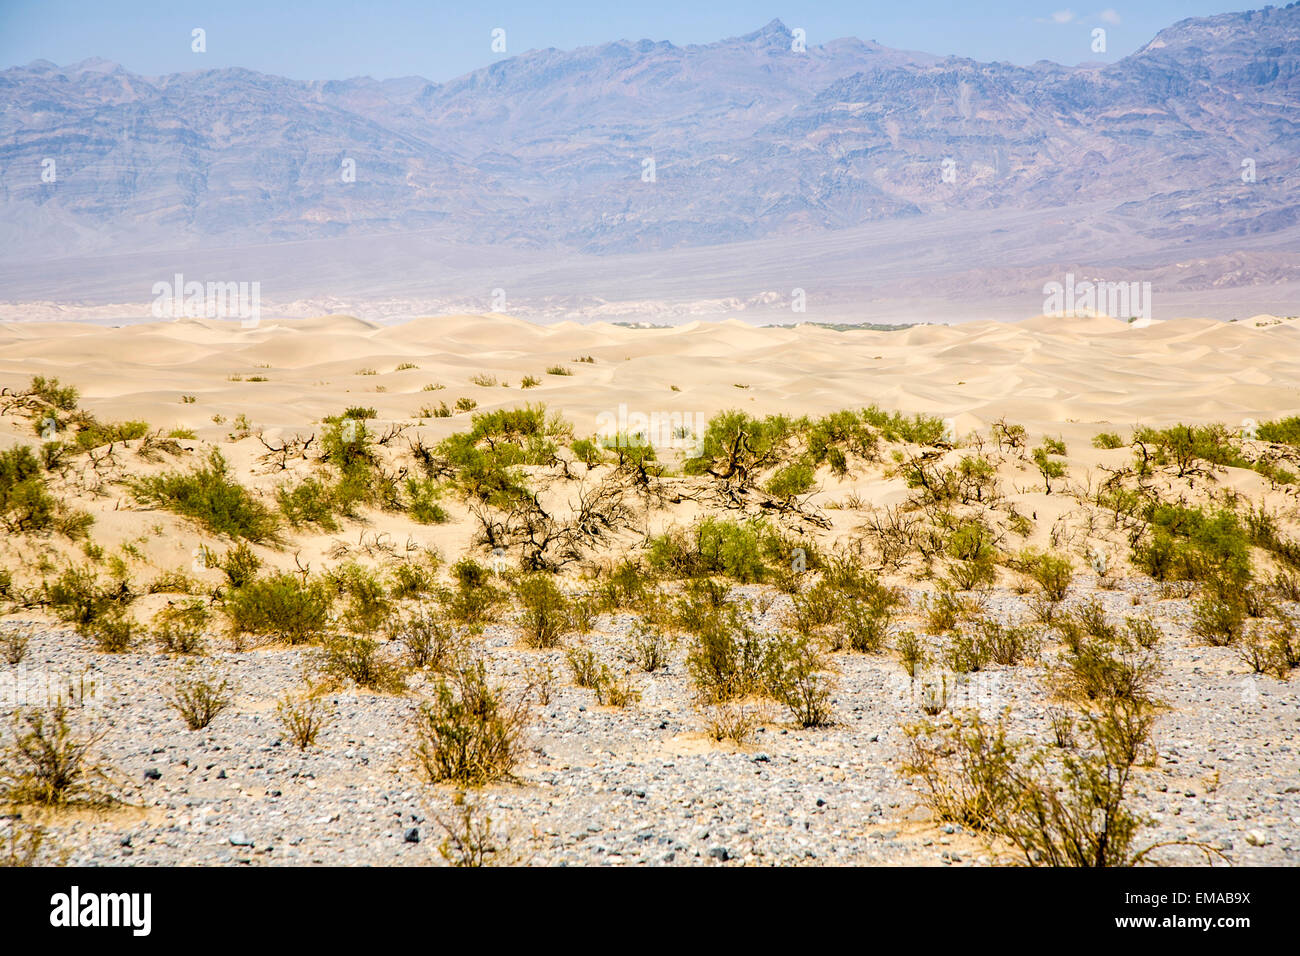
(1068, 804)
(303, 715)
(199, 694)
(49, 762)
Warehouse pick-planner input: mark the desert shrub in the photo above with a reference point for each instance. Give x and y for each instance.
(1103, 669)
(209, 496)
(1271, 647)
(51, 763)
(303, 716)
(422, 501)
(179, 628)
(559, 370)
(832, 438)
(791, 480)
(741, 550)
(1185, 446)
(78, 597)
(349, 657)
(1048, 467)
(895, 427)
(409, 578)
(199, 695)
(470, 839)
(1142, 631)
(311, 501)
(280, 606)
(1060, 806)
(1187, 544)
(965, 768)
(25, 503)
(1050, 572)
(583, 665)
(737, 447)
(62, 397)
(647, 647)
(91, 433)
(588, 452)
(732, 721)
(813, 610)
(14, 643)
(911, 651)
(25, 845)
(366, 602)
(529, 381)
(726, 658)
(1107, 440)
(476, 600)
(945, 609)
(972, 555)
(1218, 620)
(1284, 431)
(622, 587)
(429, 638)
(468, 733)
(614, 690)
(239, 564)
(795, 675)
(547, 612)
(114, 631)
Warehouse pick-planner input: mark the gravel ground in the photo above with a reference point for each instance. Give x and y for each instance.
(643, 785)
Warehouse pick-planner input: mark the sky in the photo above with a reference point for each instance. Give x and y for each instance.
(329, 39)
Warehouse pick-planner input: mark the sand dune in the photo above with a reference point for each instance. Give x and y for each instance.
(1049, 373)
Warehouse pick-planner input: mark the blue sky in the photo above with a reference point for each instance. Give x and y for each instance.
(326, 39)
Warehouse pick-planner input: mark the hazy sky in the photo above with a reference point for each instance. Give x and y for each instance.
(326, 39)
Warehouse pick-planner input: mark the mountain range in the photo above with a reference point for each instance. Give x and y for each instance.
(1184, 152)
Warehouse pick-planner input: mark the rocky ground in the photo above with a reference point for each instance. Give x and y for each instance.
(642, 785)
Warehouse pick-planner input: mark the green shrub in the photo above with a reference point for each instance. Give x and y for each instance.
(113, 631)
(894, 427)
(795, 674)
(469, 733)
(311, 501)
(1218, 620)
(282, 607)
(78, 597)
(476, 600)
(240, 565)
(1187, 544)
(1284, 431)
(1107, 440)
(738, 549)
(726, 658)
(25, 504)
(791, 480)
(358, 659)
(211, 497)
(179, 628)
(547, 613)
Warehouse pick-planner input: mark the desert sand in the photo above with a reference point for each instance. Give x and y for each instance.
(644, 784)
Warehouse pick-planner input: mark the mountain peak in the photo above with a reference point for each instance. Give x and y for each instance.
(773, 32)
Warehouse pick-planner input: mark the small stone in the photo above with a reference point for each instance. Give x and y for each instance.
(125, 841)
(238, 838)
(221, 774)
(1257, 838)
(719, 853)
(412, 835)
(153, 773)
